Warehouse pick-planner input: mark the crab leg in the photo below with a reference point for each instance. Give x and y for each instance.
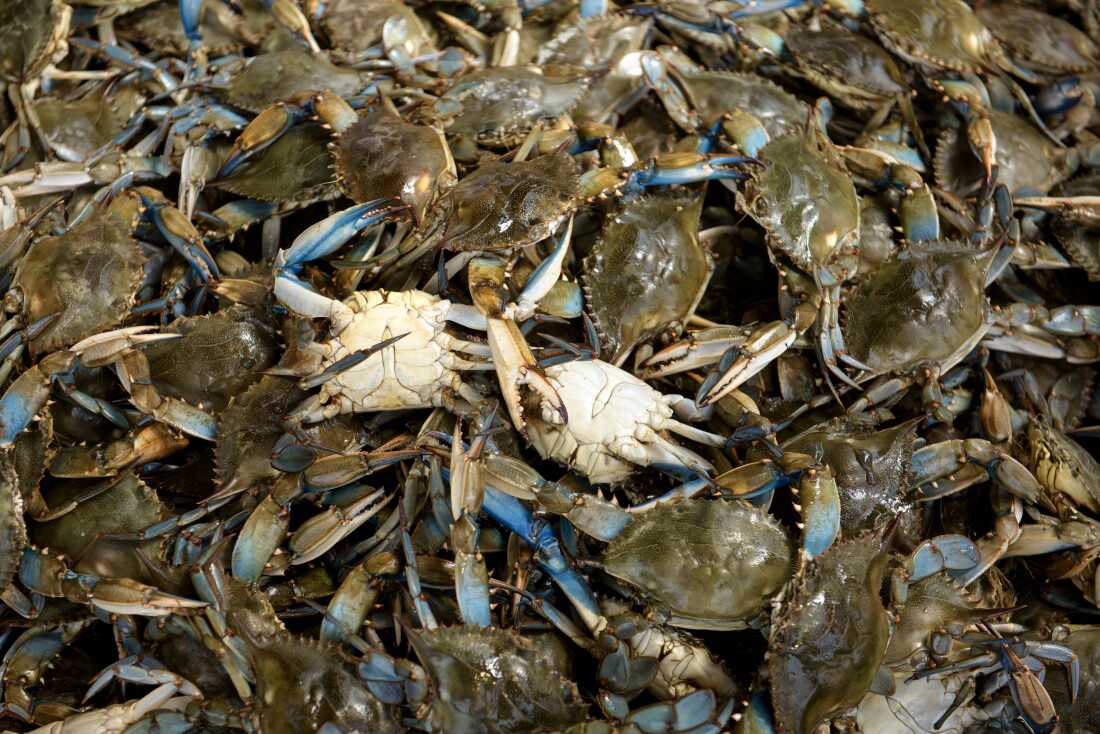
(1008, 511)
(121, 56)
(142, 670)
(1034, 540)
(591, 514)
(467, 493)
(266, 128)
(1065, 322)
(947, 457)
(48, 575)
(150, 443)
(190, 17)
(182, 236)
(133, 371)
(673, 169)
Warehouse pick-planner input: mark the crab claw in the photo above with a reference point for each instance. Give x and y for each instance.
(515, 364)
(699, 349)
(330, 234)
(126, 596)
(321, 532)
(944, 552)
(28, 393)
(590, 513)
(684, 168)
(265, 129)
(655, 73)
(516, 367)
(984, 142)
(133, 371)
(819, 500)
(181, 235)
(741, 364)
(262, 533)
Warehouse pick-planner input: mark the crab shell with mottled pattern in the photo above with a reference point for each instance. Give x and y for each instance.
(708, 564)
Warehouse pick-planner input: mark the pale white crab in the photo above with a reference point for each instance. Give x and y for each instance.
(615, 422)
(390, 350)
(419, 369)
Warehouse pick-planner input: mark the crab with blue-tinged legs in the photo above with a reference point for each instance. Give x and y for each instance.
(29, 392)
(27, 660)
(823, 257)
(651, 536)
(48, 574)
(422, 361)
(99, 252)
(1016, 664)
(396, 681)
(286, 12)
(540, 196)
(532, 198)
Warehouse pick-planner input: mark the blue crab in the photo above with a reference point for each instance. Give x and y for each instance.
(1039, 41)
(647, 272)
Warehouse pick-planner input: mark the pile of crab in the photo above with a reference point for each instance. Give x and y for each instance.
(672, 367)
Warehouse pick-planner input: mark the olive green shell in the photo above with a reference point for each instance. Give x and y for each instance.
(495, 681)
(829, 636)
(295, 169)
(805, 200)
(648, 270)
(502, 206)
(923, 306)
(219, 355)
(88, 277)
(713, 564)
(873, 472)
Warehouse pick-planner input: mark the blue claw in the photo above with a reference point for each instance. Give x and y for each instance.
(548, 271)
(262, 133)
(593, 8)
(945, 552)
(716, 24)
(190, 15)
(758, 716)
(1060, 96)
(707, 168)
(820, 502)
(332, 233)
(28, 393)
(182, 236)
(512, 514)
(263, 532)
